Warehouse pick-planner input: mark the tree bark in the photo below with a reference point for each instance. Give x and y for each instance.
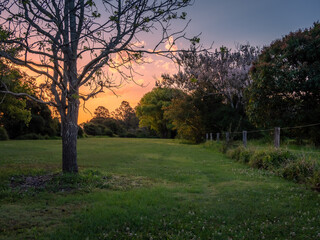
(69, 139)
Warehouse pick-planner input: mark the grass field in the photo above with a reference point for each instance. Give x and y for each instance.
(152, 189)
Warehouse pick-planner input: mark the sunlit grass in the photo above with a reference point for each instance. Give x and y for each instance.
(152, 189)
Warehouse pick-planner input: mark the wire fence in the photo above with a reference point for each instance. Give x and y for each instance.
(276, 132)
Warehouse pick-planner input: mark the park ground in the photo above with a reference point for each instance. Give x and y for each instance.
(147, 189)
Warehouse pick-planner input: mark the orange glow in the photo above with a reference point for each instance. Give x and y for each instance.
(131, 92)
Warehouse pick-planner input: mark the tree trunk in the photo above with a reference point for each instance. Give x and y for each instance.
(69, 139)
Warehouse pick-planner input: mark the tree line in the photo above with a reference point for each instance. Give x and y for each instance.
(245, 89)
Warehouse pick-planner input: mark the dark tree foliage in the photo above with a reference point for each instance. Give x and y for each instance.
(286, 83)
(127, 116)
(186, 119)
(13, 109)
(101, 112)
(41, 123)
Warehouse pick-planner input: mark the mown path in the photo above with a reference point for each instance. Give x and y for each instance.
(158, 189)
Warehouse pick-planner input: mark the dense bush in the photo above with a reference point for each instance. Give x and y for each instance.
(240, 154)
(282, 162)
(32, 136)
(270, 159)
(3, 134)
(301, 171)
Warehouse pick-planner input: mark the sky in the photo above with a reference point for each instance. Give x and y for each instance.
(222, 22)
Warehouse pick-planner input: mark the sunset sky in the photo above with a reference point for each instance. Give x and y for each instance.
(224, 22)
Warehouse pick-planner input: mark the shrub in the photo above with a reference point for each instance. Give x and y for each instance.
(107, 132)
(284, 163)
(93, 129)
(3, 134)
(256, 159)
(301, 171)
(270, 159)
(315, 180)
(235, 153)
(131, 135)
(31, 136)
(245, 155)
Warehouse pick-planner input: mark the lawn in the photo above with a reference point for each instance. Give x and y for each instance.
(150, 189)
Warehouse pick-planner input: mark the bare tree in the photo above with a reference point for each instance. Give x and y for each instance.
(73, 43)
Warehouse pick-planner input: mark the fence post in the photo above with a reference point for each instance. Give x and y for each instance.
(277, 137)
(218, 137)
(227, 137)
(207, 136)
(244, 138)
(210, 136)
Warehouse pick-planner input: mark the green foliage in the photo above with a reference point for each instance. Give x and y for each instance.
(271, 159)
(186, 119)
(302, 171)
(13, 109)
(32, 136)
(96, 129)
(286, 83)
(240, 154)
(21, 116)
(282, 162)
(152, 107)
(41, 122)
(3, 134)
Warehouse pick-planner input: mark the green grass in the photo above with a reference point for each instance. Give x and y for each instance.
(153, 189)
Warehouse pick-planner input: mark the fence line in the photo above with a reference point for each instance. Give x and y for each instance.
(245, 133)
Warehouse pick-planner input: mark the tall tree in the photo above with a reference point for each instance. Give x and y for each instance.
(55, 35)
(222, 72)
(286, 82)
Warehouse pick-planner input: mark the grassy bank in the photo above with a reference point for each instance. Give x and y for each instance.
(148, 189)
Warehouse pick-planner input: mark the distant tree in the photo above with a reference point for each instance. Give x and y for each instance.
(55, 35)
(151, 108)
(286, 82)
(101, 112)
(126, 114)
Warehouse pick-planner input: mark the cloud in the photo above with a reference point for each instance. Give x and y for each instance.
(170, 44)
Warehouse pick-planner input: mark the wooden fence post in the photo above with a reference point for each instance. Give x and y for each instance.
(218, 137)
(227, 137)
(244, 138)
(277, 137)
(211, 137)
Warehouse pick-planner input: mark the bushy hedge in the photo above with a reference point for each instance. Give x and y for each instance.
(97, 130)
(32, 136)
(282, 162)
